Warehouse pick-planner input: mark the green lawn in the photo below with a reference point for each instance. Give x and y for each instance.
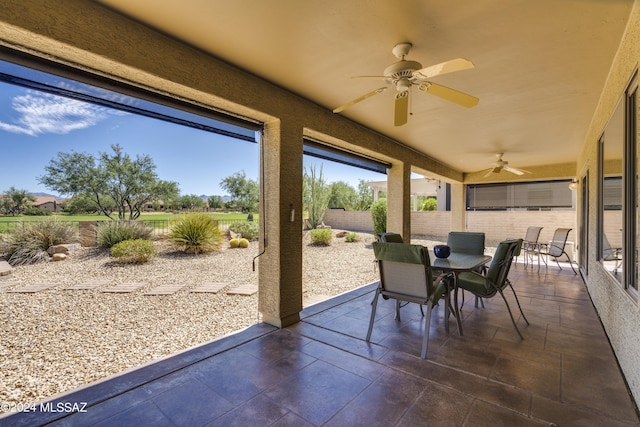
(159, 216)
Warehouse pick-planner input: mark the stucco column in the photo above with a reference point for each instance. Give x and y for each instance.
(458, 207)
(399, 200)
(280, 267)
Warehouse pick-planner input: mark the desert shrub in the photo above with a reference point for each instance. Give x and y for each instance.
(351, 237)
(321, 236)
(31, 211)
(29, 242)
(243, 243)
(234, 243)
(379, 216)
(111, 233)
(195, 233)
(248, 230)
(134, 251)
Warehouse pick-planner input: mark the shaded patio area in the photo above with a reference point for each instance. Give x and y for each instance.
(320, 371)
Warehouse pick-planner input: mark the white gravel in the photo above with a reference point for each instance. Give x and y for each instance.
(55, 340)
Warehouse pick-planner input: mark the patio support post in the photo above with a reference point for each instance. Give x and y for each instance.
(458, 207)
(280, 267)
(399, 200)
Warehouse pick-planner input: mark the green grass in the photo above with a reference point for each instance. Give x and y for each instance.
(152, 216)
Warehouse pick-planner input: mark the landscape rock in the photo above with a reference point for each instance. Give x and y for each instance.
(58, 257)
(5, 268)
(57, 249)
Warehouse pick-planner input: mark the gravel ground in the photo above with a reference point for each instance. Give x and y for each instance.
(56, 340)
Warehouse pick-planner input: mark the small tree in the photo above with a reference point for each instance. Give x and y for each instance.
(15, 201)
(215, 202)
(110, 180)
(364, 196)
(429, 204)
(379, 216)
(245, 192)
(342, 195)
(315, 195)
(191, 202)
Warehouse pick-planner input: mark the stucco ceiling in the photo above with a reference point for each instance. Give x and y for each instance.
(539, 65)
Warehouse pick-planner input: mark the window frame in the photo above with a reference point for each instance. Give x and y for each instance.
(630, 215)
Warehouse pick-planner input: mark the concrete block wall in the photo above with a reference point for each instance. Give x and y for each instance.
(497, 225)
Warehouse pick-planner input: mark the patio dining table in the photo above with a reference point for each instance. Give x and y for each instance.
(456, 263)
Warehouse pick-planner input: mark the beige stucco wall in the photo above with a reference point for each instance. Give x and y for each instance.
(497, 226)
(617, 309)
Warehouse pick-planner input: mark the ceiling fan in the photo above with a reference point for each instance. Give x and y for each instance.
(405, 74)
(500, 165)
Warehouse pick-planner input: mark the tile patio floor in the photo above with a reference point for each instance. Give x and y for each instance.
(320, 371)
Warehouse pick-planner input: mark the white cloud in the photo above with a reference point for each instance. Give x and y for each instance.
(42, 113)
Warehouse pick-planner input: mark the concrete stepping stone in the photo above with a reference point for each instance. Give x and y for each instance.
(165, 289)
(243, 290)
(86, 285)
(7, 284)
(29, 289)
(5, 268)
(124, 288)
(209, 288)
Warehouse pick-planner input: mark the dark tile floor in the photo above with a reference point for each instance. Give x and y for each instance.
(320, 371)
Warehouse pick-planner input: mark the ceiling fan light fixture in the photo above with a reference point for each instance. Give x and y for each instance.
(403, 85)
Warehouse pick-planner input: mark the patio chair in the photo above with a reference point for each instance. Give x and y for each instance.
(610, 253)
(495, 281)
(468, 242)
(405, 275)
(555, 248)
(530, 244)
(390, 237)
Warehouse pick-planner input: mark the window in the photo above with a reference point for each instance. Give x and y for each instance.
(618, 219)
(527, 195)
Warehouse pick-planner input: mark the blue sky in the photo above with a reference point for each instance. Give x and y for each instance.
(35, 126)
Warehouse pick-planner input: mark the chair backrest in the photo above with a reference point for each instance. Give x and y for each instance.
(533, 234)
(556, 247)
(501, 262)
(390, 238)
(466, 242)
(405, 270)
(609, 253)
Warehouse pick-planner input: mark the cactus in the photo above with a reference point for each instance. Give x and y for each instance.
(243, 243)
(234, 243)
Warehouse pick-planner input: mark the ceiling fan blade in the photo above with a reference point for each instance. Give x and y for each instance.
(491, 171)
(449, 94)
(362, 98)
(516, 171)
(401, 110)
(451, 66)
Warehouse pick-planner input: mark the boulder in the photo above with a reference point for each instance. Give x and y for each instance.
(57, 249)
(58, 257)
(5, 268)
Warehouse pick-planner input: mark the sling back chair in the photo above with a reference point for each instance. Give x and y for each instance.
(405, 275)
(610, 253)
(530, 245)
(555, 248)
(468, 242)
(495, 281)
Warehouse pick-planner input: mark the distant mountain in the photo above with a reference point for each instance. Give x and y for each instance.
(45, 195)
(224, 198)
